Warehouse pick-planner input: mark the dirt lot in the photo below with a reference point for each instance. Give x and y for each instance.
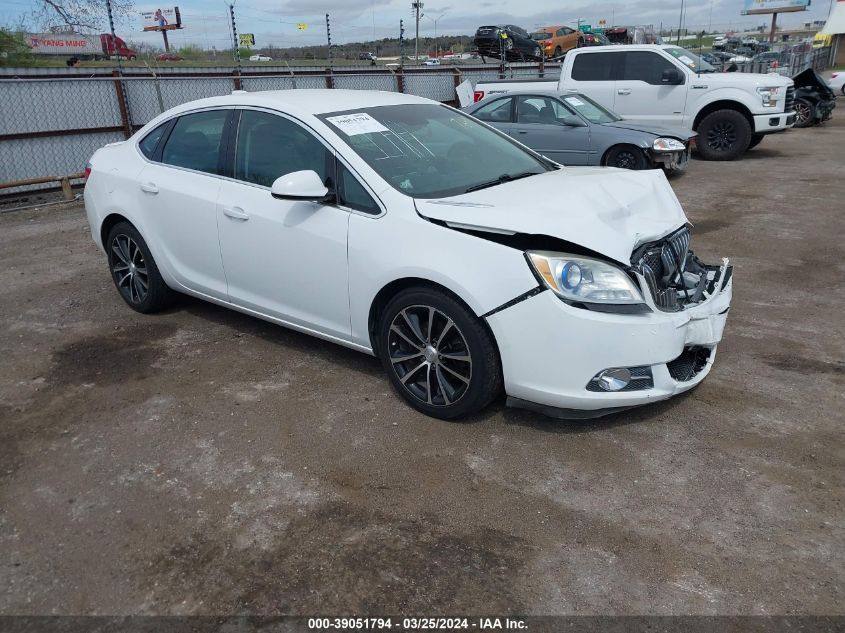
(204, 462)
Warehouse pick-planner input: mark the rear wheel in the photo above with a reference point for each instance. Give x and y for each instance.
(803, 113)
(625, 157)
(723, 135)
(558, 51)
(134, 270)
(438, 355)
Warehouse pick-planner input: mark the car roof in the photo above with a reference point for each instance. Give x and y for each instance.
(305, 101)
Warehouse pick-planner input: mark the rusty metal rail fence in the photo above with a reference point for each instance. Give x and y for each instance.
(52, 120)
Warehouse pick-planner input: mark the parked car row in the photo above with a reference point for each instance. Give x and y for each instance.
(513, 43)
(661, 85)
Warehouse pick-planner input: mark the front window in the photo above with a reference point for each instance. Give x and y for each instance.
(690, 60)
(589, 109)
(431, 151)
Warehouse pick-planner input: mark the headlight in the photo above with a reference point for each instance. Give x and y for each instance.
(584, 279)
(668, 145)
(769, 96)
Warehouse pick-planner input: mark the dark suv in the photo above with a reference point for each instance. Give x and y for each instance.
(516, 44)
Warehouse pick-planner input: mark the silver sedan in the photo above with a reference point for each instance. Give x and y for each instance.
(572, 129)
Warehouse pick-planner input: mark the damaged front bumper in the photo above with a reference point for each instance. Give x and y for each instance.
(552, 365)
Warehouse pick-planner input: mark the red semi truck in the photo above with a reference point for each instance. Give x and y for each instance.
(103, 46)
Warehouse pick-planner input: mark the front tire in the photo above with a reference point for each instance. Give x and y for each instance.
(804, 113)
(723, 135)
(134, 270)
(625, 157)
(438, 354)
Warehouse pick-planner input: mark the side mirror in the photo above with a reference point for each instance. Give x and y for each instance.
(672, 77)
(299, 185)
(572, 121)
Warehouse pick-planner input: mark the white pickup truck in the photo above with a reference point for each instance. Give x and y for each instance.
(668, 85)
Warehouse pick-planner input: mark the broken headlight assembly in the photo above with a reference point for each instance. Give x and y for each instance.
(668, 145)
(587, 282)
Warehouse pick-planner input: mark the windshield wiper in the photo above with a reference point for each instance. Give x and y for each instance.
(500, 180)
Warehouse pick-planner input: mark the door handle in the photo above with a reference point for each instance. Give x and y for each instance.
(236, 213)
(521, 132)
(623, 91)
(149, 187)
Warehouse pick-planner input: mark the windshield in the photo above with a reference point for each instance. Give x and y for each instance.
(541, 35)
(691, 60)
(589, 109)
(431, 151)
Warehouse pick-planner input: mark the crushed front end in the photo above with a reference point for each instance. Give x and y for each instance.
(582, 363)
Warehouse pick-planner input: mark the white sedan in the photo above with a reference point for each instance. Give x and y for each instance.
(837, 82)
(400, 227)
(260, 58)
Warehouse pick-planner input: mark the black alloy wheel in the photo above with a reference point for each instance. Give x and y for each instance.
(134, 271)
(803, 113)
(440, 357)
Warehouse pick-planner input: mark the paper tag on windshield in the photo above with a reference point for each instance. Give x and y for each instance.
(356, 123)
(574, 101)
(687, 60)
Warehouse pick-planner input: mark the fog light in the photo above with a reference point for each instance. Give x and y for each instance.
(614, 379)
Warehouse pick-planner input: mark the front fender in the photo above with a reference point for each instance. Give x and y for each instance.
(729, 94)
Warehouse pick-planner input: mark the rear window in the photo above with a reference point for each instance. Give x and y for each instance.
(148, 144)
(594, 66)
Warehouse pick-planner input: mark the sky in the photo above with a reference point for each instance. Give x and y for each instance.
(206, 23)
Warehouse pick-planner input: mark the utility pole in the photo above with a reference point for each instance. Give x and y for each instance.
(680, 23)
(417, 6)
(235, 38)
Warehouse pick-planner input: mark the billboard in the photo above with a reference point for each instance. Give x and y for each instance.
(162, 19)
(753, 7)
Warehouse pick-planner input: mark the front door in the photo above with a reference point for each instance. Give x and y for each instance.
(641, 94)
(283, 258)
(540, 125)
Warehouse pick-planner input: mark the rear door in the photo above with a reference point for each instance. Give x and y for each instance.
(498, 113)
(539, 126)
(594, 74)
(178, 190)
(641, 94)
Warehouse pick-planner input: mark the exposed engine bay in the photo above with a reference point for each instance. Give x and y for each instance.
(674, 276)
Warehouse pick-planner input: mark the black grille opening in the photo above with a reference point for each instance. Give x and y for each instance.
(689, 364)
(641, 378)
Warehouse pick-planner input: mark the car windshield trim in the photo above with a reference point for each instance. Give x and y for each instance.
(432, 151)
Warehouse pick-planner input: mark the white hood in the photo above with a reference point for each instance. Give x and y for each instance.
(609, 211)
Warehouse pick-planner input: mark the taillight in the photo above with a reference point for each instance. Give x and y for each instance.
(87, 171)
(478, 95)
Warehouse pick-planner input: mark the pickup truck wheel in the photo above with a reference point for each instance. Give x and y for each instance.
(755, 140)
(723, 135)
(803, 113)
(625, 157)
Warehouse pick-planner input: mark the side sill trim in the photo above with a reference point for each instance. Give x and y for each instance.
(513, 302)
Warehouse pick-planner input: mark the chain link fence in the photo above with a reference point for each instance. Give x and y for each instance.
(53, 120)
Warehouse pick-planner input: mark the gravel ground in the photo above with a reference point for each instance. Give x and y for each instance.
(203, 462)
